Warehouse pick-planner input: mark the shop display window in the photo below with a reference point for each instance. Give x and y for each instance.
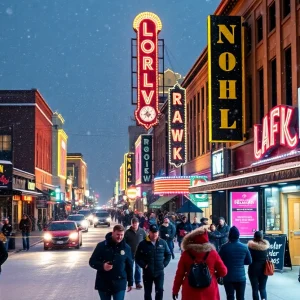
(273, 209)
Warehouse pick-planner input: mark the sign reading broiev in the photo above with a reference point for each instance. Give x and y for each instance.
(226, 78)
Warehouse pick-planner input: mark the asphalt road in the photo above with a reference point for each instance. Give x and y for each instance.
(65, 275)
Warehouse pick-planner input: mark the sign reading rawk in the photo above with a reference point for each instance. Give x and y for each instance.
(146, 176)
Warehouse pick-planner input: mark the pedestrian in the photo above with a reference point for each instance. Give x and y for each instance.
(182, 229)
(141, 219)
(25, 226)
(3, 254)
(6, 230)
(112, 259)
(152, 219)
(235, 256)
(167, 232)
(223, 228)
(195, 224)
(146, 224)
(204, 222)
(153, 255)
(214, 236)
(196, 246)
(258, 248)
(133, 236)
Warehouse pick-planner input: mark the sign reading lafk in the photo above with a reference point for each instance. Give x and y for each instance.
(147, 26)
(226, 78)
(279, 127)
(177, 126)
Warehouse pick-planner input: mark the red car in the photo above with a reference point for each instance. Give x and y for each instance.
(62, 234)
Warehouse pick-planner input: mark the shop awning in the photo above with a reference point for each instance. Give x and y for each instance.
(26, 192)
(274, 174)
(161, 201)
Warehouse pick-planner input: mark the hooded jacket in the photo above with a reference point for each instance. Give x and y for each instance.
(25, 225)
(120, 255)
(155, 257)
(216, 267)
(181, 227)
(133, 238)
(259, 254)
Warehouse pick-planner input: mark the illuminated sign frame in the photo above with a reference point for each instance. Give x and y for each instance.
(146, 157)
(62, 154)
(6, 176)
(122, 177)
(172, 185)
(128, 172)
(177, 120)
(226, 79)
(220, 159)
(147, 25)
(271, 133)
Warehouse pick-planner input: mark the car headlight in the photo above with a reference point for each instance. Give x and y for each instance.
(47, 237)
(108, 219)
(96, 220)
(73, 236)
(84, 223)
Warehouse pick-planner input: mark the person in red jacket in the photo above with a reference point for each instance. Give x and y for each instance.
(196, 244)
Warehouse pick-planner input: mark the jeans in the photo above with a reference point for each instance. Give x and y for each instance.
(25, 237)
(7, 243)
(259, 283)
(137, 273)
(179, 244)
(107, 296)
(235, 287)
(159, 286)
(170, 244)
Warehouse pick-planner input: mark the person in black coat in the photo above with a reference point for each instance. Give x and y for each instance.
(223, 228)
(214, 236)
(6, 230)
(195, 224)
(258, 248)
(3, 255)
(182, 229)
(153, 255)
(235, 256)
(167, 232)
(25, 226)
(112, 259)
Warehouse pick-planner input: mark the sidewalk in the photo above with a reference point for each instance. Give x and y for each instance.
(35, 238)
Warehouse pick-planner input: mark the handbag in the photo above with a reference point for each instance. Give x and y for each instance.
(269, 267)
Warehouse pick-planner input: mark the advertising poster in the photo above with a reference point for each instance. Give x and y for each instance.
(244, 212)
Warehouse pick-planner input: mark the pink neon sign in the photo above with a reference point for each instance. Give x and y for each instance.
(279, 127)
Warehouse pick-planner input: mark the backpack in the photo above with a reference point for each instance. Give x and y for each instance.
(199, 276)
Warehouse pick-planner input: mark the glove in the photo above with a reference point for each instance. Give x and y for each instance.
(175, 297)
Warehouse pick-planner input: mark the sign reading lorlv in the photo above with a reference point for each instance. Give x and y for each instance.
(226, 78)
(177, 126)
(147, 26)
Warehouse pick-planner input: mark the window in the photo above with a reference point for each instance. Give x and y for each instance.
(202, 97)
(249, 41)
(259, 29)
(198, 102)
(249, 100)
(5, 142)
(286, 8)
(261, 93)
(273, 210)
(272, 16)
(194, 106)
(274, 82)
(288, 76)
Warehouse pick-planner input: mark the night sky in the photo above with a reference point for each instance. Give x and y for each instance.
(77, 54)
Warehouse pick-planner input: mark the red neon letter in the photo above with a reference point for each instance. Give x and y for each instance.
(147, 63)
(257, 141)
(285, 128)
(145, 32)
(274, 126)
(265, 142)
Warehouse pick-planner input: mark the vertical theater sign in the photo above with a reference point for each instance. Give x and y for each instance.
(128, 172)
(177, 126)
(147, 26)
(226, 79)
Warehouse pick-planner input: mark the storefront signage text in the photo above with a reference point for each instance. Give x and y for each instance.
(279, 127)
(6, 176)
(147, 26)
(177, 126)
(31, 186)
(128, 161)
(146, 157)
(226, 78)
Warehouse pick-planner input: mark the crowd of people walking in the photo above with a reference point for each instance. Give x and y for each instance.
(138, 253)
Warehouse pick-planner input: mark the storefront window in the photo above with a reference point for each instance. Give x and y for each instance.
(273, 209)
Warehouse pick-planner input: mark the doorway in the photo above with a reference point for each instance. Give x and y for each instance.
(294, 229)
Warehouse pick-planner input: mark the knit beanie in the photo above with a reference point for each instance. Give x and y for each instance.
(234, 233)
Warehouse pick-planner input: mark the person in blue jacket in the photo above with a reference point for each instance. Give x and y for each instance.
(235, 256)
(112, 259)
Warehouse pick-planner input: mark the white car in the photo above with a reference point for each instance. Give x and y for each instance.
(80, 221)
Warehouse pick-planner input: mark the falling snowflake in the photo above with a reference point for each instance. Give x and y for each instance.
(9, 11)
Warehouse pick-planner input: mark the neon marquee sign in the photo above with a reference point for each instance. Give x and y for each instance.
(147, 26)
(177, 126)
(279, 127)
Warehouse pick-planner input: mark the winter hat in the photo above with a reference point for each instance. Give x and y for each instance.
(258, 235)
(201, 238)
(234, 233)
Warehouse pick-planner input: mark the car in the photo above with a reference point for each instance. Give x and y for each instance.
(102, 218)
(62, 234)
(88, 215)
(80, 221)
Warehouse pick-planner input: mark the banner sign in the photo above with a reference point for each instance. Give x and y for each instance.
(6, 175)
(177, 126)
(201, 200)
(146, 149)
(128, 163)
(226, 79)
(244, 212)
(147, 26)
(279, 128)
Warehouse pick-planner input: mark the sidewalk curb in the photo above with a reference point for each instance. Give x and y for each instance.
(20, 250)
